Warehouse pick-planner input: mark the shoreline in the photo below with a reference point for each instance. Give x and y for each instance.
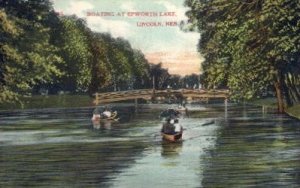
(270, 103)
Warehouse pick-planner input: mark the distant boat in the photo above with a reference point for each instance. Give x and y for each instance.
(113, 117)
(172, 137)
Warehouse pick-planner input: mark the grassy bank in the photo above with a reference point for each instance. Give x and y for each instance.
(267, 102)
(51, 101)
(293, 111)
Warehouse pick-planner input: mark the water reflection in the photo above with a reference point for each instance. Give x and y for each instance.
(103, 125)
(171, 149)
(254, 149)
(62, 148)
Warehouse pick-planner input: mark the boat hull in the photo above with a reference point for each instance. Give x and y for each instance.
(172, 137)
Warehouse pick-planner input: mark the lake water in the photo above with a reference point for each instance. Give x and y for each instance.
(239, 147)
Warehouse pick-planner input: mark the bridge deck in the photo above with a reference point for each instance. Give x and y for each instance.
(150, 94)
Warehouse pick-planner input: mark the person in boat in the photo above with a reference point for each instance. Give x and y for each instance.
(177, 126)
(168, 126)
(96, 114)
(106, 113)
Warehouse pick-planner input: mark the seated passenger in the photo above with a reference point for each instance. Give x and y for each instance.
(168, 127)
(96, 114)
(177, 126)
(106, 113)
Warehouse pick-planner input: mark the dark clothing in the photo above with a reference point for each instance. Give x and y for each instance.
(168, 128)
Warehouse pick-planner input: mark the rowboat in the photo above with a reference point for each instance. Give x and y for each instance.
(172, 137)
(113, 117)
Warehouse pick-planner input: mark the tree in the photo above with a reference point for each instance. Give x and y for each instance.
(100, 74)
(75, 50)
(191, 81)
(160, 75)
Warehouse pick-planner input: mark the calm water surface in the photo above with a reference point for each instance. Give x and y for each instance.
(61, 148)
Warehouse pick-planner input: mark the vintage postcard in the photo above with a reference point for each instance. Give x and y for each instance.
(149, 93)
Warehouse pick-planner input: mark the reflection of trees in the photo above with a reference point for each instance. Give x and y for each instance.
(253, 152)
(67, 164)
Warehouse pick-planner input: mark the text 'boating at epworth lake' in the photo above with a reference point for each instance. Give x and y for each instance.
(144, 15)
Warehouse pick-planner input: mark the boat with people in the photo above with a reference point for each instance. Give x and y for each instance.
(171, 130)
(100, 117)
(106, 115)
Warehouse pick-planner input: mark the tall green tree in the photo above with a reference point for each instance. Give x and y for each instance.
(100, 74)
(160, 76)
(75, 50)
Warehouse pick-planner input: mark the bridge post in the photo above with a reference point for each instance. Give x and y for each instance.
(136, 105)
(97, 99)
(225, 104)
(153, 95)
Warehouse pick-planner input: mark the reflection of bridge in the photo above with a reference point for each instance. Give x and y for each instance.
(150, 94)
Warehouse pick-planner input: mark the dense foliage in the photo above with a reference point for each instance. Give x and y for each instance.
(27, 56)
(249, 45)
(41, 51)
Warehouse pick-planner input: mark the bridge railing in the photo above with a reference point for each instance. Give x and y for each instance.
(149, 93)
(122, 95)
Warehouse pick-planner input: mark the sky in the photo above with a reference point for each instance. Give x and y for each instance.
(151, 26)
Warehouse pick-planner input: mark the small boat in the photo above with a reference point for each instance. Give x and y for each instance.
(113, 117)
(172, 137)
